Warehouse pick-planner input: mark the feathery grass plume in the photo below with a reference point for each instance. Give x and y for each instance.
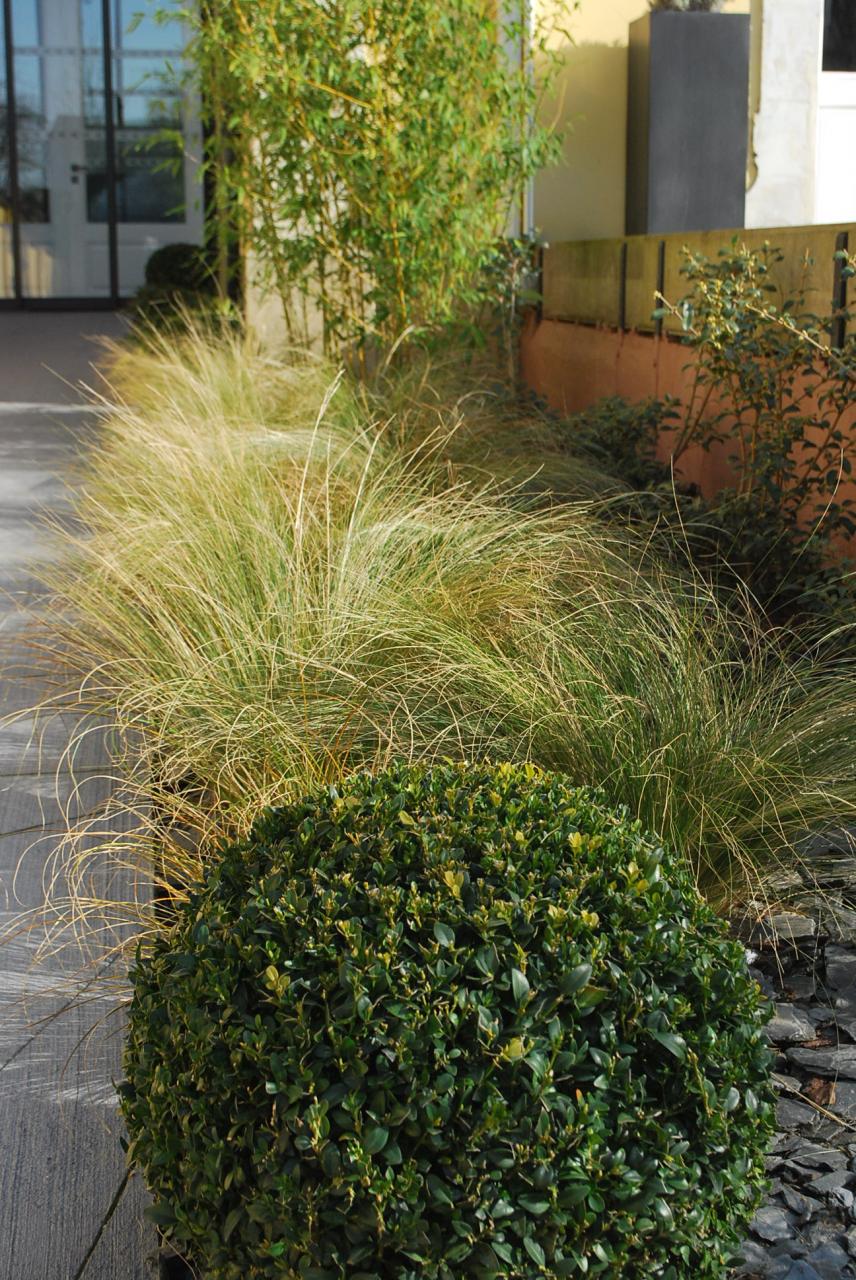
(454, 411)
(274, 588)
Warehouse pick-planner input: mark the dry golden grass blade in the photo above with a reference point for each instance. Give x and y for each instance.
(275, 578)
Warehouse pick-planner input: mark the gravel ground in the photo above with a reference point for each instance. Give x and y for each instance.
(805, 961)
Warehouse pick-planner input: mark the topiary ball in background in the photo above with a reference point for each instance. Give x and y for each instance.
(180, 268)
(448, 1022)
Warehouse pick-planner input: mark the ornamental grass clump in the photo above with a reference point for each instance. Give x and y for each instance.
(445, 1022)
(286, 577)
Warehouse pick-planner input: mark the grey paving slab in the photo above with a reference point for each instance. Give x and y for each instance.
(45, 356)
(61, 1163)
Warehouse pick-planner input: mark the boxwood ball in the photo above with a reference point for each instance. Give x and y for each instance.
(448, 1022)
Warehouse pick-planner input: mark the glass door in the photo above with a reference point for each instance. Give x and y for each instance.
(158, 194)
(8, 227)
(88, 188)
(61, 255)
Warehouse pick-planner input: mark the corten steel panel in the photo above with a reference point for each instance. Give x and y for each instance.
(688, 122)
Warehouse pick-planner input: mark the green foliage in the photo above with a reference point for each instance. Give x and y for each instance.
(370, 152)
(685, 6)
(739, 544)
(511, 286)
(771, 392)
(180, 267)
(772, 396)
(769, 388)
(449, 1022)
(622, 437)
(179, 284)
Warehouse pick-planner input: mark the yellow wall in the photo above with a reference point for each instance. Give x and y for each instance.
(583, 197)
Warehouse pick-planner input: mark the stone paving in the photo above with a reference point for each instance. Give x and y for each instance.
(61, 1160)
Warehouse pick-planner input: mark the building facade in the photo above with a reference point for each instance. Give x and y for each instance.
(99, 150)
(800, 117)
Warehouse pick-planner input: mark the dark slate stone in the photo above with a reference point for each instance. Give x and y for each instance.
(786, 927)
(791, 1114)
(826, 1062)
(813, 1156)
(803, 1206)
(787, 1084)
(841, 971)
(838, 923)
(790, 1025)
(800, 1270)
(845, 1099)
(830, 1183)
(830, 1261)
(801, 986)
(840, 840)
(806, 1229)
(772, 1224)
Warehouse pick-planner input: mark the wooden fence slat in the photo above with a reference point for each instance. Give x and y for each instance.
(613, 282)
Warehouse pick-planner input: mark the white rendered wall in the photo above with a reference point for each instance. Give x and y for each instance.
(835, 193)
(788, 43)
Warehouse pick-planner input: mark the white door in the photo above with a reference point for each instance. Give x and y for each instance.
(62, 143)
(835, 190)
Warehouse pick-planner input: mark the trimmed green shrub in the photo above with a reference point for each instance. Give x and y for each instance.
(448, 1022)
(180, 268)
(179, 284)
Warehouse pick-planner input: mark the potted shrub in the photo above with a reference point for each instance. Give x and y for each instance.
(448, 1022)
(687, 118)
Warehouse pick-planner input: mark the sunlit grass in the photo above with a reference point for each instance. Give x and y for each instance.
(281, 579)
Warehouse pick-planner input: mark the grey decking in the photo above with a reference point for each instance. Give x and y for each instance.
(60, 1160)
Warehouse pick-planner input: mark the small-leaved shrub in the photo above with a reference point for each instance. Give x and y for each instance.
(446, 1022)
(739, 543)
(179, 281)
(622, 435)
(775, 399)
(772, 392)
(179, 266)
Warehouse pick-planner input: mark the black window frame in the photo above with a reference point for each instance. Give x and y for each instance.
(839, 36)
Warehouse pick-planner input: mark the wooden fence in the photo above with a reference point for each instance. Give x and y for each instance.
(614, 282)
